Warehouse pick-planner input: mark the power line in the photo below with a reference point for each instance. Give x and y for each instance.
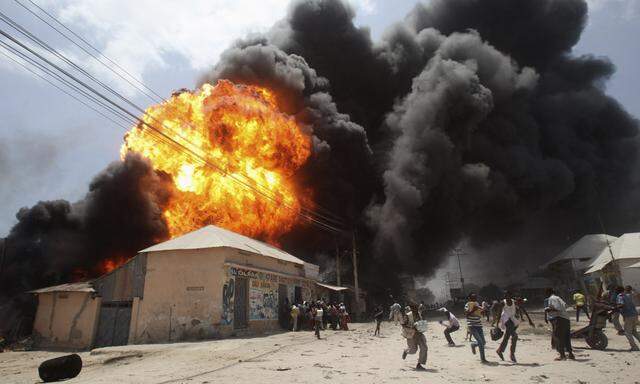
(53, 51)
(331, 217)
(25, 67)
(157, 97)
(308, 213)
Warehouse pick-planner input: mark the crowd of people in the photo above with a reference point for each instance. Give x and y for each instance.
(504, 317)
(319, 315)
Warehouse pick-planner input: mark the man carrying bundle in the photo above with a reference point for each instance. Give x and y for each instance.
(414, 333)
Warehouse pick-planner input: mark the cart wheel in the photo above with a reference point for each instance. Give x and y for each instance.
(598, 341)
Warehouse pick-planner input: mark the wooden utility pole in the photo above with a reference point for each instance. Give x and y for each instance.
(616, 267)
(3, 254)
(458, 252)
(355, 275)
(338, 272)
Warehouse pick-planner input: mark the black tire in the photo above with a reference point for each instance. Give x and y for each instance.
(598, 341)
(60, 368)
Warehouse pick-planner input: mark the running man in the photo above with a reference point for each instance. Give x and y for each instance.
(629, 314)
(579, 300)
(509, 323)
(378, 317)
(452, 324)
(486, 308)
(473, 311)
(496, 311)
(394, 313)
(415, 338)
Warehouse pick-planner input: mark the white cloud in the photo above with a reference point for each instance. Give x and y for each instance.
(141, 35)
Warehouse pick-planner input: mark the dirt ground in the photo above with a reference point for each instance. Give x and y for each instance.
(354, 356)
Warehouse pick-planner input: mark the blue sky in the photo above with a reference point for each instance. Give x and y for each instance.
(51, 146)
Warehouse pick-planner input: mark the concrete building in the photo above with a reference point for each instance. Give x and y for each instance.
(209, 283)
(66, 316)
(615, 264)
(566, 270)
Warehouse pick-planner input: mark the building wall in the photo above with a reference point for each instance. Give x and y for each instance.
(187, 294)
(630, 276)
(123, 283)
(66, 320)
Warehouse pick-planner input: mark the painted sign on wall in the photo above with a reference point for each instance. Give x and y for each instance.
(263, 304)
(226, 316)
(263, 293)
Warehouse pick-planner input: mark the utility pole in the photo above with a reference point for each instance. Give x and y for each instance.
(616, 267)
(355, 275)
(338, 272)
(4, 253)
(458, 252)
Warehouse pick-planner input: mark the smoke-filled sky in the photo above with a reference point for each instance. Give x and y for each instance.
(54, 152)
(451, 123)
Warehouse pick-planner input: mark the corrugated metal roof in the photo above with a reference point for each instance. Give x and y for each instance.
(332, 287)
(585, 250)
(69, 287)
(216, 237)
(626, 247)
(636, 265)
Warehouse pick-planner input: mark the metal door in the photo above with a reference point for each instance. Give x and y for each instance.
(283, 307)
(240, 302)
(113, 324)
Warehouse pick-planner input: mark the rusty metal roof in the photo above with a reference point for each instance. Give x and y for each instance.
(69, 287)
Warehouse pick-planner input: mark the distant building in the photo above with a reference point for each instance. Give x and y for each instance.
(566, 270)
(618, 263)
(209, 283)
(595, 260)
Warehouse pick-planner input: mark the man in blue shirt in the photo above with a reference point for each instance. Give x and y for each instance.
(613, 300)
(629, 314)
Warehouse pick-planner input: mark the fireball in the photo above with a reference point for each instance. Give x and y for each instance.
(234, 163)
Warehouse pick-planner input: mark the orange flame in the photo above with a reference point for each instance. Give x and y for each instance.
(108, 265)
(240, 131)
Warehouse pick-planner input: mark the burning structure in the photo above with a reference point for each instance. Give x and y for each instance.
(458, 124)
(208, 283)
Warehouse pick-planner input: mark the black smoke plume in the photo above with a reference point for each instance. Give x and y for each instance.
(57, 241)
(469, 119)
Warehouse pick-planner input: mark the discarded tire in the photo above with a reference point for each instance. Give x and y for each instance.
(60, 368)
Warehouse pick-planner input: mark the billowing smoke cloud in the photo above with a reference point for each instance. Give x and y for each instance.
(57, 241)
(470, 119)
(464, 122)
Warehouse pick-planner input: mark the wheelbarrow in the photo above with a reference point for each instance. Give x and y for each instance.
(592, 333)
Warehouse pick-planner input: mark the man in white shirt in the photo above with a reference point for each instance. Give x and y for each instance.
(452, 325)
(561, 329)
(509, 323)
(394, 313)
(295, 312)
(317, 313)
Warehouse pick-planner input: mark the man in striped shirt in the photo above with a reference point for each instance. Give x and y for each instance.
(473, 311)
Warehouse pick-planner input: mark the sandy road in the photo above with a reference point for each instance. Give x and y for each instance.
(339, 357)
